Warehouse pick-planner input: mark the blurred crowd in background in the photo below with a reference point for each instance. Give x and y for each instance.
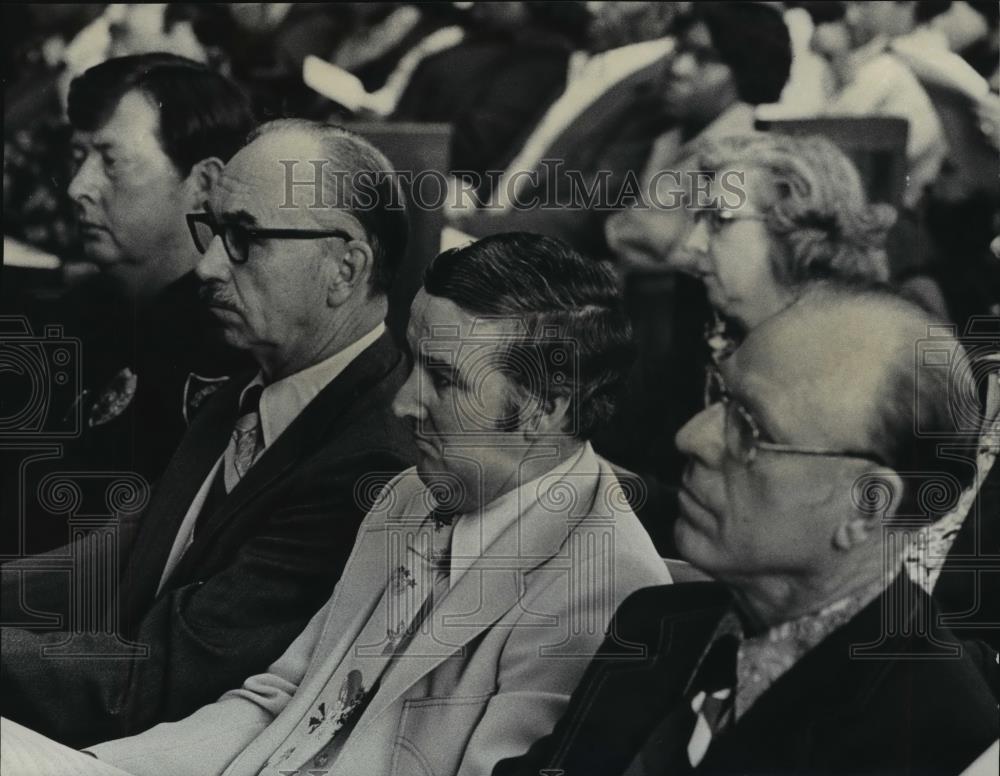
(610, 88)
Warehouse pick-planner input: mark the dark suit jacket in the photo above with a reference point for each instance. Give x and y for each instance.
(259, 567)
(615, 134)
(162, 343)
(890, 710)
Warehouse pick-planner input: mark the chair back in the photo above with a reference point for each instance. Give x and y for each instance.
(420, 154)
(876, 145)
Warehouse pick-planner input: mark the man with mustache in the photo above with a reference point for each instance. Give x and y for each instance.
(250, 526)
(483, 578)
(813, 651)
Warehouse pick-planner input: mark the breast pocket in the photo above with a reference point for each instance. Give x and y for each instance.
(434, 732)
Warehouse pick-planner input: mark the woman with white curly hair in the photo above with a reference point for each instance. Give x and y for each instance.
(781, 211)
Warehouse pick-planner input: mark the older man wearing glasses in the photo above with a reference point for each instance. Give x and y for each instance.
(251, 524)
(812, 651)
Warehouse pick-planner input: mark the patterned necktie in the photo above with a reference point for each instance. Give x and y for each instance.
(410, 596)
(247, 440)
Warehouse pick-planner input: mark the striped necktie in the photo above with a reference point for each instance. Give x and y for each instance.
(247, 440)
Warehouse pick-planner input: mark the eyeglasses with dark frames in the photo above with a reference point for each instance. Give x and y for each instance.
(744, 438)
(236, 238)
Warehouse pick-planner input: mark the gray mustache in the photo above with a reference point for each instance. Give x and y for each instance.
(216, 296)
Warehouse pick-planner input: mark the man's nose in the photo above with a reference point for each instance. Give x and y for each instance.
(85, 183)
(703, 437)
(407, 404)
(214, 264)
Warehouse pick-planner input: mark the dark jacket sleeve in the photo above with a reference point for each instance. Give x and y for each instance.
(200, 639)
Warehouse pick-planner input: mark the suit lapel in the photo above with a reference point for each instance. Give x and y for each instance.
(622, 703)
(316, 423)
(488, 589)
(829, 682)
(194, 459)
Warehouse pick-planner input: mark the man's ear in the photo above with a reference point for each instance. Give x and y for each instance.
(550, 417)
(876, 498)
(202, 179)
(353, 269)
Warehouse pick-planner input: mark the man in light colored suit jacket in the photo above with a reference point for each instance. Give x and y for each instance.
(483, 579)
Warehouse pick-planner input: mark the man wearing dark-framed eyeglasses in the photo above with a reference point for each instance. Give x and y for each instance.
(811, 648)
(255, 515)
(238, 238)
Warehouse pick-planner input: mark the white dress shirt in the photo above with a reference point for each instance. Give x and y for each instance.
(280, 403)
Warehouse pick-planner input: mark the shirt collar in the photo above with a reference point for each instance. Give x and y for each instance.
(473, 533)
(283, 400)
(763, 658)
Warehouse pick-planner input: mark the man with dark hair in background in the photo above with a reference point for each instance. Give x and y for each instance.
(813, 650)
(483, 579)
(248, 529)
(151, 134)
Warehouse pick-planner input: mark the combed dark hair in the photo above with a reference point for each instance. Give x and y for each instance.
(364, 181)
(560, 298)
(907, 423)
(202, 113)
(752, 39)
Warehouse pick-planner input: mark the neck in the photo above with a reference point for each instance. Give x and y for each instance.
(537, 458)
(142, 281)
(310, 348)
(771, 601)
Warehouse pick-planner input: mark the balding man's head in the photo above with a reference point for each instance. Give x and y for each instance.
(354, 176)
(817, 402)
(312, 230)
(867, 361)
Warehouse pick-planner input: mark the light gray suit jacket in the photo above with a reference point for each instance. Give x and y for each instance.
(520, 625)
